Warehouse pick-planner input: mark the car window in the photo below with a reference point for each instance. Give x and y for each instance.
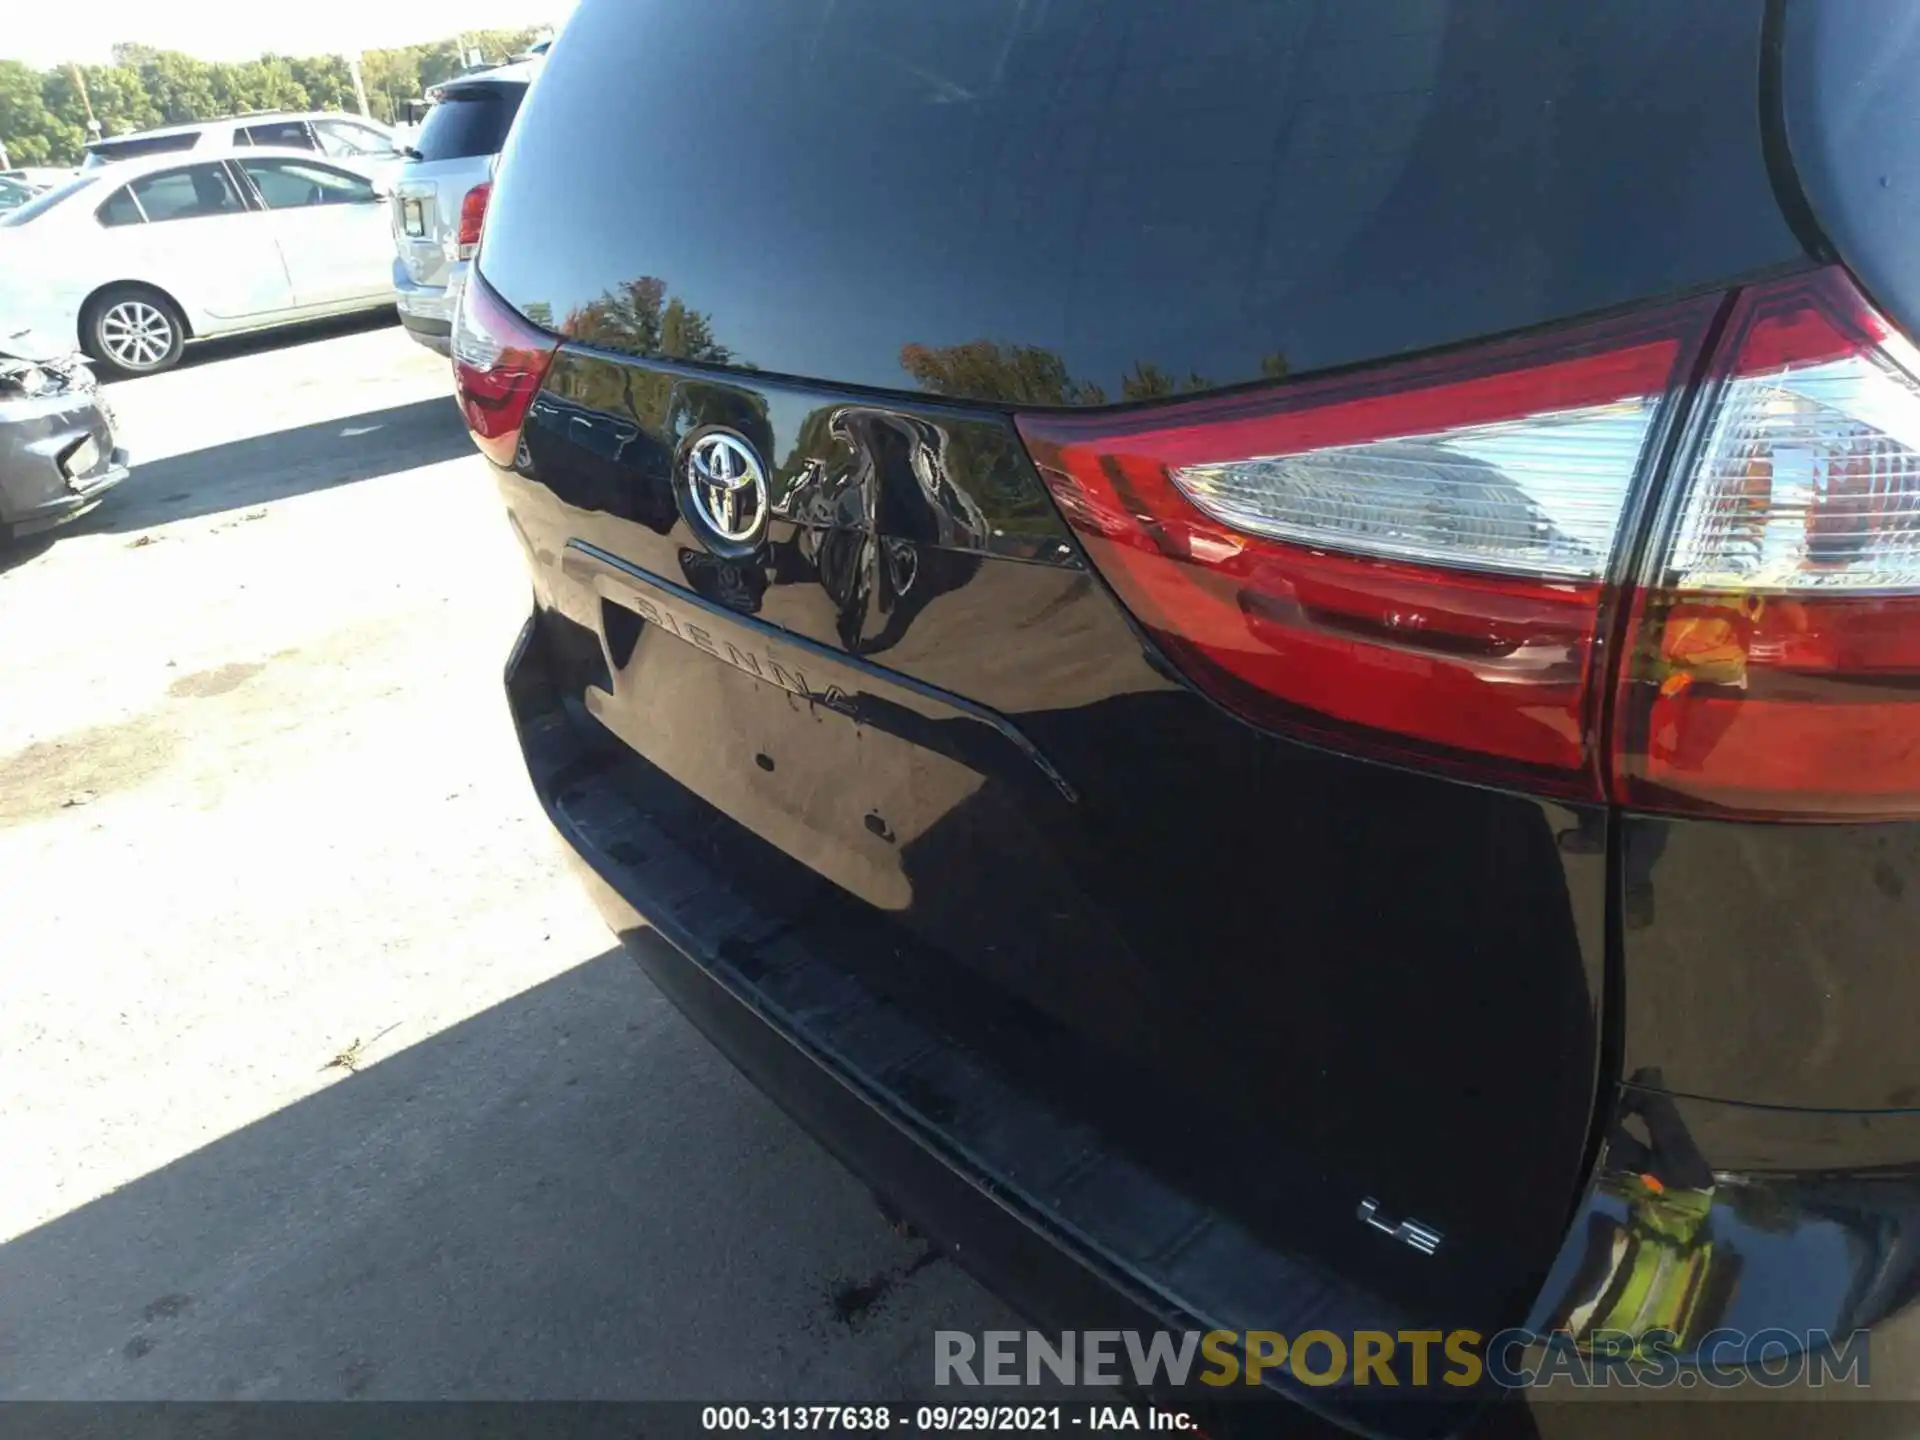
(13, 192)
(40, 204)
(189, 193)
(290, 184)
(105, 152)
(119, 209)
(344, 137)
(469, 122)
(289, 134)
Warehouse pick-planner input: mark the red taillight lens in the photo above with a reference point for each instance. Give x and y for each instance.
(499, 360)
(1412, 562)
(473, 215)
(1774, 668)
(1416, 562)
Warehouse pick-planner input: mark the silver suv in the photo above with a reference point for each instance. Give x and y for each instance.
(440, 194)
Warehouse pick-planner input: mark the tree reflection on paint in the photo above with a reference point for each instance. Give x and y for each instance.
(639, 317)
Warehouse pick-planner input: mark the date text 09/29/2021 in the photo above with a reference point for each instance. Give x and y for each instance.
(937, 1419)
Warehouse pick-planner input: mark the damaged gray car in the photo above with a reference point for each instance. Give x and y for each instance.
(58, 452)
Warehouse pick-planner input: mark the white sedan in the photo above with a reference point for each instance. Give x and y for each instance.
(135, 260)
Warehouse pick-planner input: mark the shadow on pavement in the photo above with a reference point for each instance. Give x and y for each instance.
(567, 1195)
(270, 467)
(19, 552)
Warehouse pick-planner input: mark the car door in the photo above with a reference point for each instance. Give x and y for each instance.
(330, 225)
(191, 231)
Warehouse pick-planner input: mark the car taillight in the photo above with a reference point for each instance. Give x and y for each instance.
(499, 360)
(1412, 562)
(1424, 562)
(473, 216)
(1774, 665)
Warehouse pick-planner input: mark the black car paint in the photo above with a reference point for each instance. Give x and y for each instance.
(1849, 108)
(1154, 943)
(1271, 978)
(1058, 204)
(851, 1025)
(1773, 964)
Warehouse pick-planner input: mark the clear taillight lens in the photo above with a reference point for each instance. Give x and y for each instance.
(1412, 562)
(1539, 495)
(1774, 668)
(499, 360)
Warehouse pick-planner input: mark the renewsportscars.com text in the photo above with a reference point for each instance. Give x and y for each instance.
(1461, 1359)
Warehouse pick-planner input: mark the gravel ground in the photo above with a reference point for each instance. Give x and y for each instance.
(318, 1076)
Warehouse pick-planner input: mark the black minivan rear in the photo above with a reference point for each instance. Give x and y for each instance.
(1262, 653)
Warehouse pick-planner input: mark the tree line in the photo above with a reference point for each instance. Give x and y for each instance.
(43, 113)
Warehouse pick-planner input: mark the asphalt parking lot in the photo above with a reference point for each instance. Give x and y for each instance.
(318, 1075)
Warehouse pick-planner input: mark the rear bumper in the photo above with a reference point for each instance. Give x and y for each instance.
(1759, 1233)
(427, 310)
(436, 335)
(946, 1143)
(1770, 1248)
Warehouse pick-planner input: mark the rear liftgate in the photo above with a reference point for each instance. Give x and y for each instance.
(1467, 567)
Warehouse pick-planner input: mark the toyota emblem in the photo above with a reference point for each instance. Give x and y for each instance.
(727, 487)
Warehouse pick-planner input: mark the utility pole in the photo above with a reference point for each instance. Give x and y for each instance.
(80, 84)
(359, 83)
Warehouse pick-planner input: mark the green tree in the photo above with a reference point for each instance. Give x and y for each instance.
(263, 84)
(43, 116)
(434, 63)
(120, 101)
(391, 78)
(326, 81)
(32, 134)
(180, 86)
(68, 114)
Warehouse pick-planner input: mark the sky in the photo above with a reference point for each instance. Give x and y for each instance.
(43, 33)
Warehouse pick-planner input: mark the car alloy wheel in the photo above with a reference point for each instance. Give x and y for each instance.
(136, 335)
